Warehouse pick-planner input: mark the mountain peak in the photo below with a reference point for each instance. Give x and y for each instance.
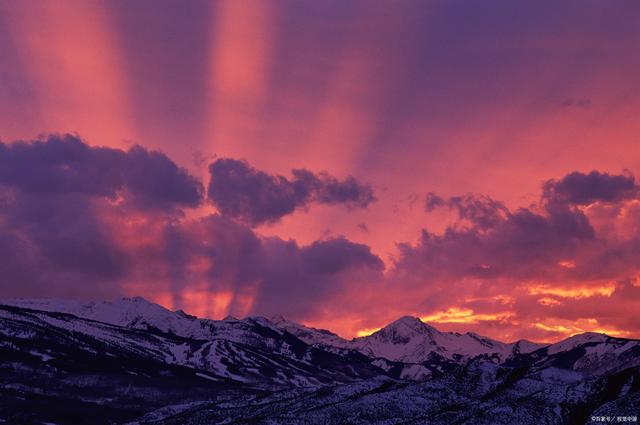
(407, 325)
(278, 319)
(136, 299)
(409, 320)
(576, 340)
(403, 330)
(262, 321)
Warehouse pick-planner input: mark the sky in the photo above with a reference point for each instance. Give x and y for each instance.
(341, 163)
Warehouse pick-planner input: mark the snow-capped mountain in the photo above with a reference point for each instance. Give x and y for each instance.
(316, 337)
(132, 361)
(406, 340)
(587, 354)
(133, 313)
(250, 351)
(409, 340)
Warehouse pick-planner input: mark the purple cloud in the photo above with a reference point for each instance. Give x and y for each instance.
(64, 164)
(65, 225)
(157, 182)
(60, 200)
(433, 201)
(479, 210)
(282, 276)
(585, 189)
(522, 244)
(255, 197)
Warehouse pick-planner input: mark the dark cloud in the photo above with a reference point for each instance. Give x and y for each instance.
(60, 246)
(69, 235)
(157, 182)
(332, 256)
(60, 164)
(63, 203)
(479, 210)
(281, 276)
(240, 191)
(585, 189)
(488, 240)
(326, 189)
(433, 201)
(64, 164)
(86, 222)
(255, 197)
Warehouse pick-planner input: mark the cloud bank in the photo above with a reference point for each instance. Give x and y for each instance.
(92, 222)
(255, 197)
(86, 222)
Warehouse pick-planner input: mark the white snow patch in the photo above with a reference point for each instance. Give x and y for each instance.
(210, 378)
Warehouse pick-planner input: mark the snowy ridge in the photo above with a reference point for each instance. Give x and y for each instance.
(130, 358)
(575, 341)
(317, 337)
(250, 351)
(136, 313)
(410, 340)
(406, 340)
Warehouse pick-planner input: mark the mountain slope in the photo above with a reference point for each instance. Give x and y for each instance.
(133, 361)
(316, 337)
(478, 394)
(409, 340)
(133, 313)
(250, 351)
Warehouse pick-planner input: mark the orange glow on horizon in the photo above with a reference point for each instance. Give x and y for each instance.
(566, 329)
(367, 332)
(464, 315)
(576, 292)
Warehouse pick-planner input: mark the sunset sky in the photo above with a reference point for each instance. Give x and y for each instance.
(342, 163)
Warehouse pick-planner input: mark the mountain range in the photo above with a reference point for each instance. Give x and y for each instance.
(130, 361)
